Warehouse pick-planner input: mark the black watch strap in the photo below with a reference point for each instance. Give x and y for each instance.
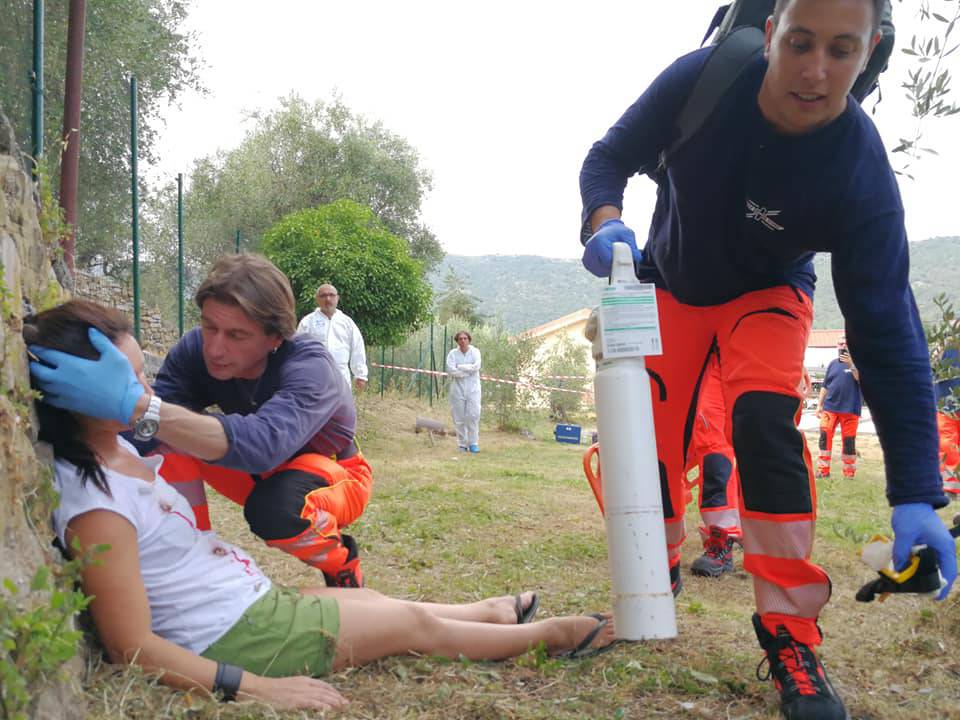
(226, 683)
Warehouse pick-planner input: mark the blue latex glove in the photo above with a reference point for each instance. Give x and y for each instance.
(106, 388)
(598, 252)
(918, 524)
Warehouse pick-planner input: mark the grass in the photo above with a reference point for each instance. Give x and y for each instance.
(449, 526)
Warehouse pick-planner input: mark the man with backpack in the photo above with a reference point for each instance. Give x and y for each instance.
(786, 164)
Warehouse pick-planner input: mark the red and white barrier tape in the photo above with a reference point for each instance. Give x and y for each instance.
(518, 383)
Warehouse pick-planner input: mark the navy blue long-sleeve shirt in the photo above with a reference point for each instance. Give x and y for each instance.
(300, 403)
(743, 208)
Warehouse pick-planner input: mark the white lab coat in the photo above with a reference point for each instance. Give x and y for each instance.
(464, 370)
(342, 338)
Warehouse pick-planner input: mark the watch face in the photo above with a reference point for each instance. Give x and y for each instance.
(146, 428)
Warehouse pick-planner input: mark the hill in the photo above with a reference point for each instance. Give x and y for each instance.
(527, 290)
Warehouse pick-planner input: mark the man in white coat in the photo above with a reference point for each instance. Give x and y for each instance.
(463, 367)
(339, 333)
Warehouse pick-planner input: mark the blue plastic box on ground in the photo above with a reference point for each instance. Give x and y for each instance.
(567, 434)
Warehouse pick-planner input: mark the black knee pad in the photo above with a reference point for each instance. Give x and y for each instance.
(274, 505)
(769, 450)
(850, 445)
(716, 475)
(823, 440)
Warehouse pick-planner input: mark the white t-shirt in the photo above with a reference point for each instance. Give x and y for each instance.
(197, 585)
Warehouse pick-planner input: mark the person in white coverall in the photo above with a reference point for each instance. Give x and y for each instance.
(463, 367)
(339, 333)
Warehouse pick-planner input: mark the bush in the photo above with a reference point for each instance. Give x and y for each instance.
(381, 287)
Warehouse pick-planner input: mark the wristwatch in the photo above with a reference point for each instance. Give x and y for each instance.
(146, 427)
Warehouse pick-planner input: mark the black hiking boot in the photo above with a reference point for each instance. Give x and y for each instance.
(676, 583)
(805, 691)
(717, 557)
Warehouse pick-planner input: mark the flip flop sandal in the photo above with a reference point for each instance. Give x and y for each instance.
(583, 650)
(525, 614)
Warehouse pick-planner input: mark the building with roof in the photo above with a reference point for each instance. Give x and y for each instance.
(821, 349)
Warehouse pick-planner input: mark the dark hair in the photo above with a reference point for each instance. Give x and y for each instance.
(64, 328)
(462, 332)
(878, 7)
(256, 286)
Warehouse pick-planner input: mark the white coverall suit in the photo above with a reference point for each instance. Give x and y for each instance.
(464, 370)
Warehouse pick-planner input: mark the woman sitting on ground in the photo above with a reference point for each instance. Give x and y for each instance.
(184, 603)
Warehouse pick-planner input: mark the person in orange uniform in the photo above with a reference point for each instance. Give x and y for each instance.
(948, 421)
(281, 442)
(839, 404)
(711, 453)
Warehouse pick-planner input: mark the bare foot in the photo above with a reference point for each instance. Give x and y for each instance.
(573, 629)
(503, 610)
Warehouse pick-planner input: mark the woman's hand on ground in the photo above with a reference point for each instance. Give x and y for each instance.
(300, 693)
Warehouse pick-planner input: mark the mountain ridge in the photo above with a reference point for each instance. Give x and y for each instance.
(529, 290)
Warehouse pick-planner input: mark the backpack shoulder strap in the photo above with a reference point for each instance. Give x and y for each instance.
(721, 70)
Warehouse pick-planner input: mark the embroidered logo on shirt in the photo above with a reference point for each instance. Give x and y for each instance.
(762, 215)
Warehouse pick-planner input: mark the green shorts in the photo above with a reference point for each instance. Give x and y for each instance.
(283, 633)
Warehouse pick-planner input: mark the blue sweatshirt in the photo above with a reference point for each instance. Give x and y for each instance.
(742, 208)
(843, 390)
(300, 403)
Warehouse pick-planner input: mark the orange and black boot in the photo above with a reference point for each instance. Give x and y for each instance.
(717, 557)
(805, 691)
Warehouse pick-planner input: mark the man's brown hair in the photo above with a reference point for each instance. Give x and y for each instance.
(256, 286)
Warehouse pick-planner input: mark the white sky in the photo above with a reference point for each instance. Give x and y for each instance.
(501, 99)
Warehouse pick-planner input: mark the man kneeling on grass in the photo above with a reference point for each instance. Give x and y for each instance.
(184, 603)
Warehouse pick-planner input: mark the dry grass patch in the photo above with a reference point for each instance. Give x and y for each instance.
(449, 526)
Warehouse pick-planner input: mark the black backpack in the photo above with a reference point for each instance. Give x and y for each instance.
(739, 38)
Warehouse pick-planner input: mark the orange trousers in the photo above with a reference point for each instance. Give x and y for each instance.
(760, 338)
(712, 455)
(848, 423)
(300, 507)
(948, 426)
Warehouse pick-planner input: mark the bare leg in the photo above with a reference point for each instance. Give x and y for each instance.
(370, 630)
(500, 610)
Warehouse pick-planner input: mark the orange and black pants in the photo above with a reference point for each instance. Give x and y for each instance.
(948, 426)
(711, 454)
(848, 423)
(300, 507)
(760, 338)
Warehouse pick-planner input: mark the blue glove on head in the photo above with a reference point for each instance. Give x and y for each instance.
(598, 252)
(106, 388)
(918, 524)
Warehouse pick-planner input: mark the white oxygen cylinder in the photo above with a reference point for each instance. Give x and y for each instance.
(643, 604)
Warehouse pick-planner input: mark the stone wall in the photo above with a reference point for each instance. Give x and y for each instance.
(28, 283)
(154, 336)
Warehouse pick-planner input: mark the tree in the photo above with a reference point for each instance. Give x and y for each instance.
(456, 300)
(304, 155)
(124, 37)
(569, 361)
(345, 244)
(928, 86)
(943, 335)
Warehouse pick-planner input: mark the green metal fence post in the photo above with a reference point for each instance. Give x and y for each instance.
(383, 354)
(433, 365)
(180, 253)
(37, 79)
(238, 241)
(443, 354)
(419, 367)
(135, 199)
